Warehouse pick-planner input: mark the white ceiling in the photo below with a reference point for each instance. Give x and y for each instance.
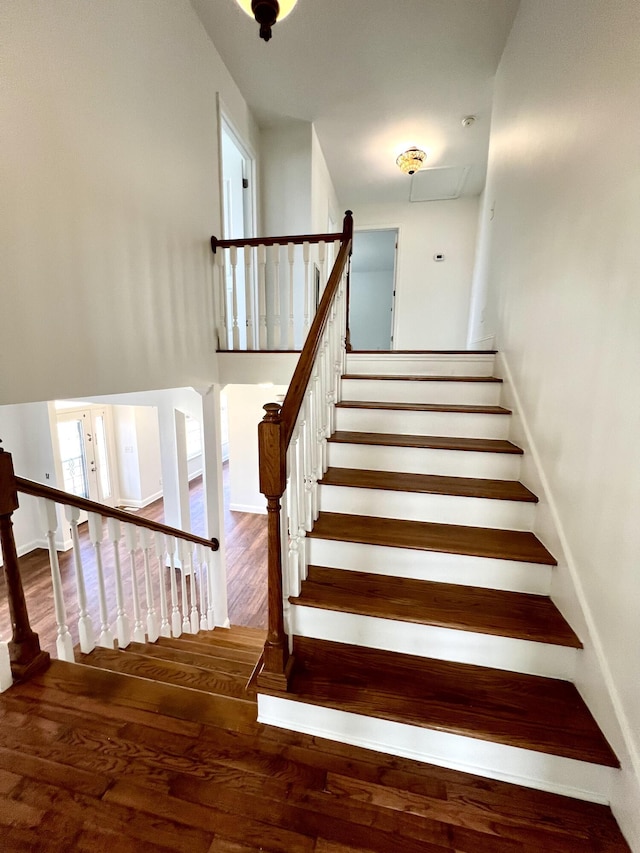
(375, 77)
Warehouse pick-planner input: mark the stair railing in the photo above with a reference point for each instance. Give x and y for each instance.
(292, 441)
(131, 552)
(266, 289)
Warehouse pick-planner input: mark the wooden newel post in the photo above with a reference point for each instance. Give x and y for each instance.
(347, 234)
(273, 481)
(25, 653)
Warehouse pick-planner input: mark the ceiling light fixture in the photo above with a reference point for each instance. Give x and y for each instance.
(411, 160)
(267, 12)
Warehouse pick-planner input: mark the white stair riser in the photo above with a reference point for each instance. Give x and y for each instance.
(413, 506)
(394, 421)
(420, 364)
(431, 566)
(418, 460)
(432, 641)
(537, 770)
(407, 391)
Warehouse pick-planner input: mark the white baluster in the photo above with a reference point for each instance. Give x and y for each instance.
(293, 557)
(315, 440)
(223, 331)
(186, 624)
(277, 330)
(322, 256)
(235, 332)
(291, 249)
(123, 630)
(307, 286)
(64, 643)
(153, 627)
(203, 557)
(219, 588)
(106, 638)
(195, 616)
(85, 625)
(197, 557)
(284, 556)
(301, 500)
(131, 543)
(165, 626)
(248, 295)
(6, 676)
(262, 297)
(176, 620)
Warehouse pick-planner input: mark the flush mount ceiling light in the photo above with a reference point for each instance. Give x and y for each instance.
(411, 160)
(267, 12)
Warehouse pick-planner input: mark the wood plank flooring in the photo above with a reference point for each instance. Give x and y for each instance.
(106, 768)
(433, 442)
(246, 551)
(424, 407)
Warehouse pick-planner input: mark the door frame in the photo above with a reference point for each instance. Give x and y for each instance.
(225, 123)
(396, 266)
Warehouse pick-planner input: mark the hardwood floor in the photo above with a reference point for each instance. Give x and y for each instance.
(246, 550)
(92, 760)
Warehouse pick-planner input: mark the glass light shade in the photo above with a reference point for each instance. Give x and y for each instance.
(286, 6)
(411, 160)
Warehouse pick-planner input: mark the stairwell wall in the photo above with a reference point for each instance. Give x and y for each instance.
(560, 221)
(110, 194)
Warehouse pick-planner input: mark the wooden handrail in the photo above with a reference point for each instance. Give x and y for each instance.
(37, 490)
(297, 239)
(274, 435)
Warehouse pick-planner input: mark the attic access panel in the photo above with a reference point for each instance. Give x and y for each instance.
(438, 183)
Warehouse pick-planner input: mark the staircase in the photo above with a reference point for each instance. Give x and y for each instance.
(424, 626)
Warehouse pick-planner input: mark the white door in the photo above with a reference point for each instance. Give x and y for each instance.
(84, 454)
(372, 289)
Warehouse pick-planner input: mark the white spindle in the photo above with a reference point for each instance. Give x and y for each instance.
(85, 625)
(218, 588)
(248, 295)
(277, 330)
(106, 638)
(205, 567)
(176, 620)
(165, 626)
(195, 616)
(322, 257)
(6, 677)
(235, 332)
(223, 331)
(153, 627)
(186, 624)
(316, 441)
(123, 630)
(131, 544)
(197, 558)
(292, 490)
(307, 286)
(64, 643)
(308, 463)
(291, 250)
(262, 297)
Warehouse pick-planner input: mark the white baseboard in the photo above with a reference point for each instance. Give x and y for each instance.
(256, 510)
(140, 504)
(594, 677)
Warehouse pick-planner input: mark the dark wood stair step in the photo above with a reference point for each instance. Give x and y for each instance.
(414, 378)
(423, 407)
(527, 711)
(151, 668)
(389, 354)
(192, 643)
(429, 536)
(486, 611)
(430, 442)
(186, 655)
(433, 484)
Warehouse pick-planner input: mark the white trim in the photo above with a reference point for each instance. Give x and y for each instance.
(256, 510)
(483, 343)
(542, 771)
(136, 504)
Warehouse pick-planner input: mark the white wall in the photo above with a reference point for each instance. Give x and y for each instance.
(137, 440)
(325, 206)
(286, 178)
(110, 194)
(244, 413)
(432, 299)
(562, 294)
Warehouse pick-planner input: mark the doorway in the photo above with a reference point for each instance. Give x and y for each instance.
(372, 289)
(85, 459)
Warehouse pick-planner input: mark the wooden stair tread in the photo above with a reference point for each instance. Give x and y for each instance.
(424, 407)
(124, 690)
(433, 484)
(431, 442)
(389, 354)
(420, 378)
(486, 611)
(430, 536)
(165, 671)
(211, 662)
(189, 642)
(527, 711)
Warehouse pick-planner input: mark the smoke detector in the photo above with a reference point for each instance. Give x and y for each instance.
(467, 121)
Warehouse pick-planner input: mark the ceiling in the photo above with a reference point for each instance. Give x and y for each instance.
(374, 77)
